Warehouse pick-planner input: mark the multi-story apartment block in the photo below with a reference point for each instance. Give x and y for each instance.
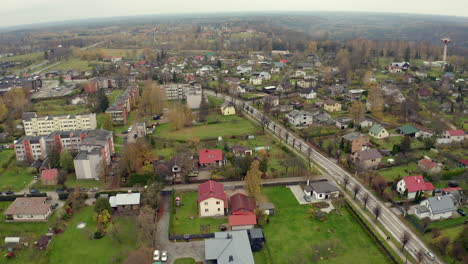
(43, 125)
(94, 148)
(120, 110)
(192, 93)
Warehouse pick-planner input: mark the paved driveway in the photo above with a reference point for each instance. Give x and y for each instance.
(298, 193)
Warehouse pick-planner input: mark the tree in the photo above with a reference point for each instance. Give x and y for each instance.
(377, 210)
(146, 226)
(133, 157)
(204, 108)
(16, 101)
(458, 250)
(108, 123)
(103, 221)
(101, 205)
(356, 190)
(420, 255)
(379, 184)
(405, 238)
(153, 98)
(188, 117)
(342, 60)
(365, 199)
(102, 102)
(443, 244)
(435, 232)
(357, 112)
(54, 158)
(76, 200)
(407, 54)
(262, 217)
(177, 116)
(66, 161)
(3, 110)
(253, 181)
(345, 181)
(376, 100)
(150, 196)
(405, 144)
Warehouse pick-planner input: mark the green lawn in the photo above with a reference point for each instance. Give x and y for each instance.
(215, 101)
(74, 245)
(181, 222)
(72, 182)
(73, 64)
(36, 56)
(401, 171)
(184, 261)
(58, 107)
(228, 126)
(122, 52)
(15, 178)
(6, 156)
(113, 95)
(301, 230)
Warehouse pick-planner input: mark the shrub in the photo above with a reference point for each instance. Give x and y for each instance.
(98, 235)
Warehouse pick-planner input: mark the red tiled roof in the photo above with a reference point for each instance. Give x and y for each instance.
(417, 183)
(464, 161)
(242, 204)
(239, 220)
(51, 174)
(457, 132)
(208, 156)
(212, 189)
(451, 189)
(427, 163)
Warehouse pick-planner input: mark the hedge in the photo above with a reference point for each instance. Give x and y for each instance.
(63, 196)
(11, 198)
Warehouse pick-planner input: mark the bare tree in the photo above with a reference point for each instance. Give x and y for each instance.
(443, 244)
(377, 210)
(365, 199)
(420, 255)
(405, 238)
(356, 190)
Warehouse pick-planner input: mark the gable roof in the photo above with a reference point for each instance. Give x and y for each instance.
(28, 206)
(353, 136)
(51, 174)
(441, 204)
(323, 187)
(127, 198)
(330, 102)
(208, 156)
(427, 163)
(246, 219)
(231, 247)
(408, 129)
(241, 203)
(376, 129)
(369, 154)
(212, 189)
(456, 132)
(417, 183)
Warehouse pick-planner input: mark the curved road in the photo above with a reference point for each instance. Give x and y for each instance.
(387, 218)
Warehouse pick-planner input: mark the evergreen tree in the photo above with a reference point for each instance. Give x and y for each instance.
(66, 161)
(405, 144)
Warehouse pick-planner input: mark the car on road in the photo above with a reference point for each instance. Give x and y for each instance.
(34, 191)
(54, 206)
(461, 212)
(130, 128)
(164, 256)
(60, 190)
(95, 189)
(307, 198)
(9, 193)
(430, 255)
(156, 255)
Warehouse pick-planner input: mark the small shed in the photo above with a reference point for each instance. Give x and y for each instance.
(12, 241)
(269, 208)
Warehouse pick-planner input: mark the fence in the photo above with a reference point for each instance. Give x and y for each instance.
(372, 234)
(415, 223)
(191, 236)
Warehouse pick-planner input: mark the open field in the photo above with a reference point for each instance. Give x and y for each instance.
(58, 107)
(73, 64)
(35, 56)
(15, 178)
(302, 231)
(122, 52)
(84, 250)
(181, 222)
(227, 126)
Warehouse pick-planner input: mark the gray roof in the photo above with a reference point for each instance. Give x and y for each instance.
(256, 233)
(266, 206)
(421, 209)
(441, 204)
(231, 247)
(353, 135)
(323, 187)
(296, 113)
(369, 154)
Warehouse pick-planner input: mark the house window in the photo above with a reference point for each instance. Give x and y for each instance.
(206, 210)
(218, 202)
(206, 203)
(219, 209)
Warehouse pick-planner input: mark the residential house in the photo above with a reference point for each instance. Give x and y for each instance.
(424, 132)
(436, 208)
(208, 157)
(398, 67)
(378, 131)
(366, 123)
(277, 67)
(455, 135)
(308, 93)
(271, 100)
(228, 109)
(268, 208)
(44, 125)
(170, 170)
(269, 89)
(264, 76)
(300, 74)
(125, 202)
(357, 141)
(28, 209)
(424, 93)
(244, 69)
(428, 166)
(322, 190)
(212, 200)
(120, 109)
(412, 185)
(463, 163)
(368, 158)
(241, 151)
(303, 83)
(232, 247)
(455, 193)
(242, 204)
(354, 94)
(49, 177)
(242, 221)
(331, 106)
(300, 118)
(408, 130)
(342, 122)
(337, 90)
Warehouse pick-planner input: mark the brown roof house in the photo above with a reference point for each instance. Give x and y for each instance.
(331, 106)
(28, 209)
(427, 165)
(367, 159)
(357, 141)
(50, 177)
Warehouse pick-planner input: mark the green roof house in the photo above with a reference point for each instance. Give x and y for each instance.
(378, 131)
(408, 130)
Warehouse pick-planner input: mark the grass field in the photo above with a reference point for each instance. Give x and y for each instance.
(73, 64)
(74, 245)
(15, 178)
(301, 230)
(402, 171)
(113, 95)
(58, 107)
(184, 261)
(228, 126)
(122, 52)
(35, 56)
(181, 222)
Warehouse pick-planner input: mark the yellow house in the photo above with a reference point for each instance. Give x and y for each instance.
(332, 106)
(228, 109)
(212, 200)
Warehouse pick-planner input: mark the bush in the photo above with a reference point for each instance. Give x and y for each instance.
(98, 235)
(139, 178)
(63, 196)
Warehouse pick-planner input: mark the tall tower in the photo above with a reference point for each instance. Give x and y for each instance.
(446, 41)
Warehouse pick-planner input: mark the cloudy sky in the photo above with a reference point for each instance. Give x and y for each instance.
(16, 12)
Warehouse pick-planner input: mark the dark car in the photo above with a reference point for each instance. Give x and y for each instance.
(125, 132)
(54, 206)
(9, 193)
(34, 191)
(307, 198)
(461, 212)
(82, 189)
(60, 190)
(156, 117)
(70, 189)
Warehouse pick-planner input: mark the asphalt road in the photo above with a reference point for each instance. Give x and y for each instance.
(387, 218)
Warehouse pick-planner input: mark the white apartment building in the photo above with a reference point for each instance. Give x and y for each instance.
(44, 125)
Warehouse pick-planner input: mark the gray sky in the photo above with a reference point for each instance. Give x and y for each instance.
(16, 12)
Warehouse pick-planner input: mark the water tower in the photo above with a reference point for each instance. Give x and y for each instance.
(446, 41)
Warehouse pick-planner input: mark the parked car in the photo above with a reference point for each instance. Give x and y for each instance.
(461, 212)
(307, 198)
(164, 256)
(82, 189)
(156, 117)
(70, 189)
(34, 191)
(130, 128)
(54, 206)
(36, 177)
(430, 255)
(125, 132)
(156, 255)
(9, 193)
(95, 189)
(60, 190)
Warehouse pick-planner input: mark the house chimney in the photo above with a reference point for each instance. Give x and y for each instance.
(308, 180)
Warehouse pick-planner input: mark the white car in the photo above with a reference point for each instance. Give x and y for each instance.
(164, 256)
(430, 255)
(130, 128)
(156, 255)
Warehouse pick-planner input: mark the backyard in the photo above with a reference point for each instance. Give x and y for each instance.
(185, 220)
(58, 107)
(303, 231)
(13, 177)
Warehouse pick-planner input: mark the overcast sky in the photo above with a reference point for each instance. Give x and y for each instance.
(16, 12)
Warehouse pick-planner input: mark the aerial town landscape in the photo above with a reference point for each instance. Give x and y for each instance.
(235, 139)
